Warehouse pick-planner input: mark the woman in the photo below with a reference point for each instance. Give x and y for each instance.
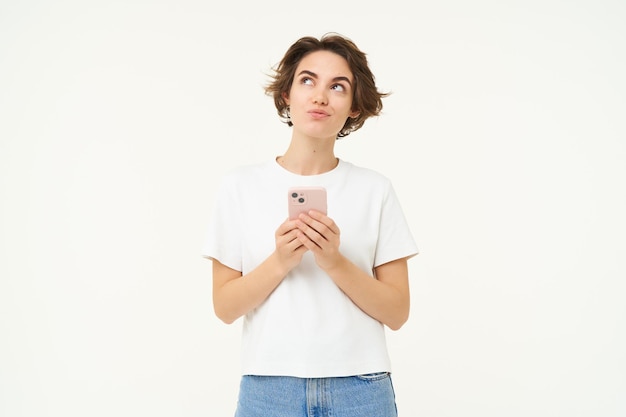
(317, 291)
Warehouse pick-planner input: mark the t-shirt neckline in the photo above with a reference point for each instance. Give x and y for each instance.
(339, 167)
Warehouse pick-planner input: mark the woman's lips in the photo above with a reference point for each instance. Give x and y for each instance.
(318, 114)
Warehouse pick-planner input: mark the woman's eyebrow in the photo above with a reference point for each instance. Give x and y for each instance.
(314, 75)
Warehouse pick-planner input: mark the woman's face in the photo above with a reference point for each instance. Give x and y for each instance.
(320, 99)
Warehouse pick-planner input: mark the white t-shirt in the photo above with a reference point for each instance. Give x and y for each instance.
(308, 327)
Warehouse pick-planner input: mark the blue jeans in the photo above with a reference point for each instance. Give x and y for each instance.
(369, 395)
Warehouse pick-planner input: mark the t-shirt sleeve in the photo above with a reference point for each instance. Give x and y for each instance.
(223, 238)
(395, 240)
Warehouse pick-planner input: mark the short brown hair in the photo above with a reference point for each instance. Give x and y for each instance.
(366, 99)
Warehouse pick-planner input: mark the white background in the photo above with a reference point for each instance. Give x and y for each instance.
(504, 136)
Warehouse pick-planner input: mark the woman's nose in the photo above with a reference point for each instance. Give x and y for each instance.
(320, 97)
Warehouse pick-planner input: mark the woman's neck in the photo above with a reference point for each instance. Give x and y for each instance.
(309, 157)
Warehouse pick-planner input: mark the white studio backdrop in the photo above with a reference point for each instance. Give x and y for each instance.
(504, 137)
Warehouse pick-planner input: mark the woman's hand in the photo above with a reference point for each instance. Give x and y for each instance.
(384, 296)
(319, 234)
(289, 249)
(235, 295)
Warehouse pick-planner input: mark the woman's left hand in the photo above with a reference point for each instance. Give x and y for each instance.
(320, 235)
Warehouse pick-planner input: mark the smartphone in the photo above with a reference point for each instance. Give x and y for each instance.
(303, 199)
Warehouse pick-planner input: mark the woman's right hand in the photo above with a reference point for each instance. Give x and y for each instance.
(235, 294)
(289, 249)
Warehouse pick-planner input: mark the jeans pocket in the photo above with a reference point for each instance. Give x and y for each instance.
(376, 376)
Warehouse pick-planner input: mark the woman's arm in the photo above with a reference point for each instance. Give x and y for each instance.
(235, 294)
(385, 298)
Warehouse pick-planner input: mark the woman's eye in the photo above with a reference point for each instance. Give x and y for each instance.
(306, 81)
(338, 87)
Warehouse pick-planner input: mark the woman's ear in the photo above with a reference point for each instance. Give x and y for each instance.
(355, 114)
(285, 97)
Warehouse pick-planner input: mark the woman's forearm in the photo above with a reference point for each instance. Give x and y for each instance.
(385, 298)
(235, 295)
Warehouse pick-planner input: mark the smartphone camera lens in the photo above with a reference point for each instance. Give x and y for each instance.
(301, 200)
(294, 195)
